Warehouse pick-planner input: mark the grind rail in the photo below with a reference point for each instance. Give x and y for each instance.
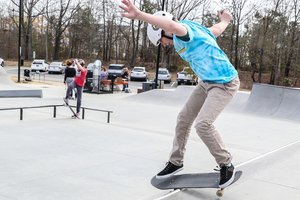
(55, 110)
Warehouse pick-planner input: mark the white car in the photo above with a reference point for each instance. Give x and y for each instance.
(1, 62)
(164, 75)
(56, 67)
(39, 65)
(139, 73)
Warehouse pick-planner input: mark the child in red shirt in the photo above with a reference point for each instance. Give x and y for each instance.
(78, 83)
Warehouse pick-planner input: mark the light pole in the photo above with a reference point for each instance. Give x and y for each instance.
(158, 54)
(20, 34)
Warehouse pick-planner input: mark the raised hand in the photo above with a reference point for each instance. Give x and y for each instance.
(225, 16)
(131, 11)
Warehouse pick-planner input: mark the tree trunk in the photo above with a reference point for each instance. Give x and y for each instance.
(261, 67)
(133, 39)
(56, 45)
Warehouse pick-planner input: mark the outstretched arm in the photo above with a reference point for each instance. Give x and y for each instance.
(168, 25)
(225, 18)
(78, 65)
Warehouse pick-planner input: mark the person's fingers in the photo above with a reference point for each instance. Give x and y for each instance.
(125, 15)
(125, 8)
(126, 2)
(227, 12)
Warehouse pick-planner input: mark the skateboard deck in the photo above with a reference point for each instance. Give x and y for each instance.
(67, 104)
(197, 180)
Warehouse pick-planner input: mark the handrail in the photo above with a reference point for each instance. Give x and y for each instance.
(94, 109)
(54, 110)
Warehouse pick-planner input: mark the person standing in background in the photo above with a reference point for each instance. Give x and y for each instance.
(125, 77)
(70, 73)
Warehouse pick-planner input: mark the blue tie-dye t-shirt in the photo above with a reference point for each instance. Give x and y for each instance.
(204, 55)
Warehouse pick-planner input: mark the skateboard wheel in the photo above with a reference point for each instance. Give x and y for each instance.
(220, 192)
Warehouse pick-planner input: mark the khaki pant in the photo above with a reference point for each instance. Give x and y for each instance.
(203, 107)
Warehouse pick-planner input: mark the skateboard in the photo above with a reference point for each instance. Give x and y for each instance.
(67, 104)
(197, 180)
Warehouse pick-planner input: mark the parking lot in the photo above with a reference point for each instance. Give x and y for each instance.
(58, 78)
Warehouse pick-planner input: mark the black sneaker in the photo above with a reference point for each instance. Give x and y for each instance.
(169, 170)
(227, 173)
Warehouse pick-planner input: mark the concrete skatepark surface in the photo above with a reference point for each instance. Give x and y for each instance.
(61, 158)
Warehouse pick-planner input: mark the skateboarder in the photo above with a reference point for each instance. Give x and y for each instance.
(219, 82)
(78, 83)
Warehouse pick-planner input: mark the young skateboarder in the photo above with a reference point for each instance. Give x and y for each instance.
(219, 82)
(77, 83)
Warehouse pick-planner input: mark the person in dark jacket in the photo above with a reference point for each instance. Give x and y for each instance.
(125, 77)
(70, 73)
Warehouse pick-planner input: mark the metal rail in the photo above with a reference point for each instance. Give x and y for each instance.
(55, 110)
(94, 109)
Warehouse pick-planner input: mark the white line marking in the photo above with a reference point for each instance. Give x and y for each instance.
(266, 154)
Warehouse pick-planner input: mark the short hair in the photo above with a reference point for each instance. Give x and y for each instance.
(69, 62)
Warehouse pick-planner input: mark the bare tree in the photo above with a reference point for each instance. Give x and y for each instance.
(63, 18)
(239, 18)
(294, 25)
(31, 12)
(266, 19)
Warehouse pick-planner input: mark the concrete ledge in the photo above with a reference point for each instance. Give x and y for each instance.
(21, 93)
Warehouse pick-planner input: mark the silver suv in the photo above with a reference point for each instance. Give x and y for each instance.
(139, 73)
(186, 76)
(39, 65)
(164, 75)
(115, 70)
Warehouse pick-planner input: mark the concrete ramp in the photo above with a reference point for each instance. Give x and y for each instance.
(264, 100)
(164, 97)
(9, 89)
(274, 101)
(5, 81)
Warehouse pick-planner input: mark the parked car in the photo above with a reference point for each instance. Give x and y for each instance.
(115, 70)
(39, 65)
(1, 62)
(139, 73)
(186, 76)
(163, 74)
(56, 67)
